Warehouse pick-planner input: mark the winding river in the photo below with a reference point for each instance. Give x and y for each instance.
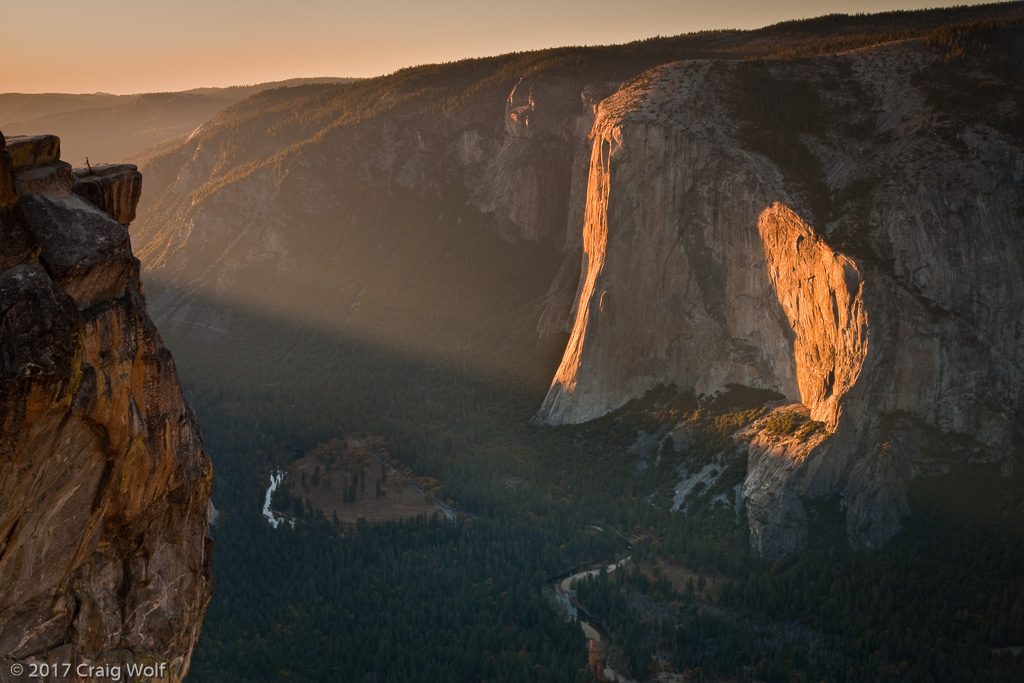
(565, 595)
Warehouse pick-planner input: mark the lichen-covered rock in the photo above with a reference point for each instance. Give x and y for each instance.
(104, 484)
(33, 150)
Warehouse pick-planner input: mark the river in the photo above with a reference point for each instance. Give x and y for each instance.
(564, 595)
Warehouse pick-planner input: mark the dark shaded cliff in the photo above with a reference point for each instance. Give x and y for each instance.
(104, 483)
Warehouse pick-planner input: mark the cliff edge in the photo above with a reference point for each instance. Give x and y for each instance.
(104, 483)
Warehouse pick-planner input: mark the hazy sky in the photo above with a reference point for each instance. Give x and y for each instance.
(128, 46)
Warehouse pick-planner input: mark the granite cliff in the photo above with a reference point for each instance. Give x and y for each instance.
(832, 229)
(104, 483)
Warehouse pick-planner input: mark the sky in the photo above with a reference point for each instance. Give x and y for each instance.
(132, 46)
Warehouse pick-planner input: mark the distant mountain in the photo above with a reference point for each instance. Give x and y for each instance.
(16, 106)
(114, 128)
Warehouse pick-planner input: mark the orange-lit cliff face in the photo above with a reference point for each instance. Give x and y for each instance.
(822, 295)
(823, 228)
(671, 291)
(104, 483)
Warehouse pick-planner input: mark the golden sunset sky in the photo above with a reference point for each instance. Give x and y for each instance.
(131, 46)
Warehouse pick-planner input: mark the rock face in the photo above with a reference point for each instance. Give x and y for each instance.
(862, 259)
(104, 483)
(644, 215)
(527, 182)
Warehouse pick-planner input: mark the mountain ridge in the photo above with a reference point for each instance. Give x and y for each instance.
(117, 128)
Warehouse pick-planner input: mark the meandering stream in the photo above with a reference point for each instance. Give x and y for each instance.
(564, 595)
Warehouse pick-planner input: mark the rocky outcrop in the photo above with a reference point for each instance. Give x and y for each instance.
(114, 188)
(858, 259)
(16, 242)
(821, 293)
(104, 484)
(32, 151)
(775, 513)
